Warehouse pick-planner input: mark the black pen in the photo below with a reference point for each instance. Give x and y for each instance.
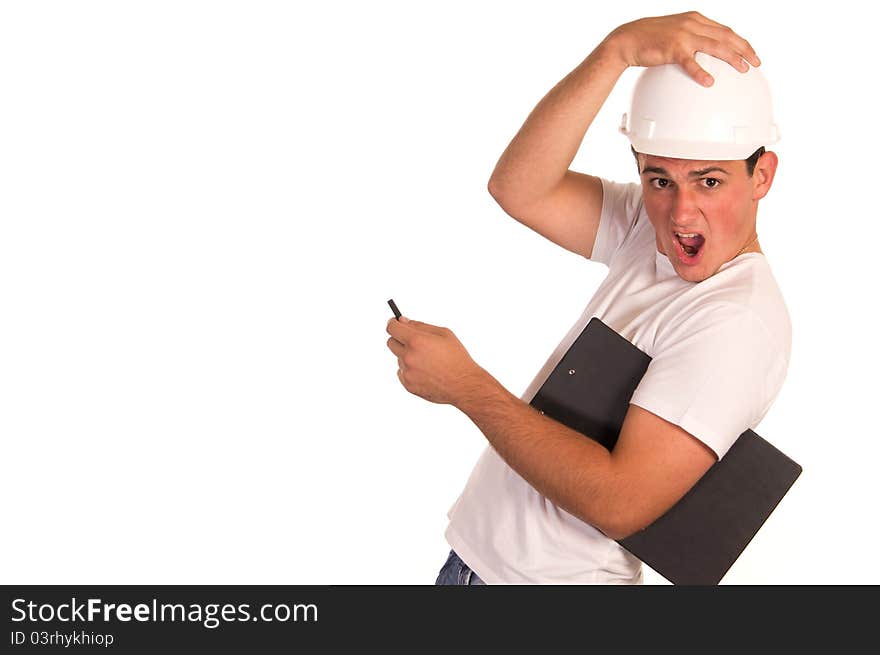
(394, 309)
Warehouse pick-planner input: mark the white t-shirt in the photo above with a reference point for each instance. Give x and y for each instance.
(720, 350)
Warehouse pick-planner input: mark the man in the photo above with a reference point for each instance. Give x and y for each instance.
(687, 283)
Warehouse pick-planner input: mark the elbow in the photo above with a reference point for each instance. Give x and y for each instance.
(502, 185)
(620, 531)
(493, 187)
(503, 197)
(620, 523)
(615, 530)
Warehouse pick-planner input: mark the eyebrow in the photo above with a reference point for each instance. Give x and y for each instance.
(699, 173)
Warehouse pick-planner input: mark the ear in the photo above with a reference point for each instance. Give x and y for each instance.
(765, 171)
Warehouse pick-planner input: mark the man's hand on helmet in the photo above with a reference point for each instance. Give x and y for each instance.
(676, 39)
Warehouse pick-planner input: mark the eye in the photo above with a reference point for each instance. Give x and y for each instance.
(715, 182)
(661, 182)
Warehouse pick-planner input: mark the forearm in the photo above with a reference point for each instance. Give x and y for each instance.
(543, 149)
(573, 471)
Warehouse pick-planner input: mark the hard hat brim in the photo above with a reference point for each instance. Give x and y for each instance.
(696, 150)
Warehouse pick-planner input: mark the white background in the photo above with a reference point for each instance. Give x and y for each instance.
(204, 207)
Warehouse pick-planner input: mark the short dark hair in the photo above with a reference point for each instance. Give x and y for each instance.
(751, 162)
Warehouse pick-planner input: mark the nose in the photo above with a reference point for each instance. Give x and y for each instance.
(684, 206)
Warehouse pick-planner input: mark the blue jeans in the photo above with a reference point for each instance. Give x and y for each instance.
(456, 572)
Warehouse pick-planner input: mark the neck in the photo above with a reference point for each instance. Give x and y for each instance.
(751, 245)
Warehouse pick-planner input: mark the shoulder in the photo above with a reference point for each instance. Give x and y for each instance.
(621, 217)
(713, 320)
(621, 201)
(628, 192)
(743, 295)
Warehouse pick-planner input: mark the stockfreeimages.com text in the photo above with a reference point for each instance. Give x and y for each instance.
(210, 615)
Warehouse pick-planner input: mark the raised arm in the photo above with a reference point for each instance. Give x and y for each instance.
(532, 181)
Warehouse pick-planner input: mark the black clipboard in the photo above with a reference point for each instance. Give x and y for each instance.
(702, 535)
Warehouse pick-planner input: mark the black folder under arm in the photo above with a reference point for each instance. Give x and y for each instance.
(701, 536)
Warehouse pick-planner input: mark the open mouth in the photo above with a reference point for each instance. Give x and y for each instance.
(689, 247)
(691, 242)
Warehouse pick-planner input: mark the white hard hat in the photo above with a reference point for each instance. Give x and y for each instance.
(672, 115)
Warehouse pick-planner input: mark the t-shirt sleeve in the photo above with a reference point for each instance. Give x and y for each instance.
(714, 374)
(621, 204)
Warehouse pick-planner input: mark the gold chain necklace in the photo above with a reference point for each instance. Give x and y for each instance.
(746, 246)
